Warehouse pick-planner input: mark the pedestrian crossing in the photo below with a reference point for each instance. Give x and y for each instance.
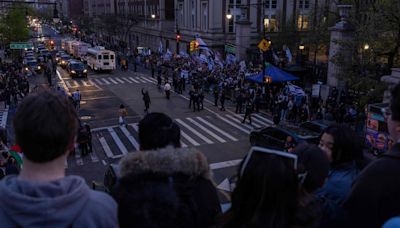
(113, 142)
(109, 81)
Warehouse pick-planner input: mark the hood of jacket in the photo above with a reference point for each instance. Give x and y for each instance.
(42, 204)
(169, 160)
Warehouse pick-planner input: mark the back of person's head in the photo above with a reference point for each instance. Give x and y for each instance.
(266, 192)
(157, 130)
(147, 201)
(313, 165)
(45, 126)
(345, 147)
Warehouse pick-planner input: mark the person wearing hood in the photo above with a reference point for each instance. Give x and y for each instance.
(160, 169)
(41, 195)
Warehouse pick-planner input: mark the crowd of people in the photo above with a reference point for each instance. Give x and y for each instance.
(164, 185)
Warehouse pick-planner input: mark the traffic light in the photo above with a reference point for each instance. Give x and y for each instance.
(194, 45)
(178, 36)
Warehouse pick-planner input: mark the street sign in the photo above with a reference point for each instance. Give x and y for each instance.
(264, 45)
(230, 48)
(21, 45)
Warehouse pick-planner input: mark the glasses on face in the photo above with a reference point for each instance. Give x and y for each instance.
(256, 149)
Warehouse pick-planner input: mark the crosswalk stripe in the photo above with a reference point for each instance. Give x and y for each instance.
(120, 145)
(217, 129)
(190, 139)
(91, 82)
(141, 80)
(76, 84)
(255, 119)
(68, 84)
(94, 157)
(105, 146)
(119, 80)
(99, 82)
(127, 80)
(265, 119)
(238, 121)
(240, 118)
(233, 124)
(105, 81)
(146, 79)
(130, 138)
(194, 131)
(183, 144)
(134, 126)
(207, 131)
(112, 80)
(134, 80)
(85, 83)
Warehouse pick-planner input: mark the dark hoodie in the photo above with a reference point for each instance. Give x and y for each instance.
(67, 202)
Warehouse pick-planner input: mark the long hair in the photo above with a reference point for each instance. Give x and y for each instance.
(266, 193)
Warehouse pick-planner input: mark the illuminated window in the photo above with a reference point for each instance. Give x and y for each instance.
(302, 23)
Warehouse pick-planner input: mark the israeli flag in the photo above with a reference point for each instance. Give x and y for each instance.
(288, 54)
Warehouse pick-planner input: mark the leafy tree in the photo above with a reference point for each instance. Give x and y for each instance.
(13, 26)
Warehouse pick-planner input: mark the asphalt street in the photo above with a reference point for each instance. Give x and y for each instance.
(220, 135)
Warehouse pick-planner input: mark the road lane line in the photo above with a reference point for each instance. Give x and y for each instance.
(194, 131)
(99, 82)
(117, 140)
(105, 81)
(240, 118)
(225, 164)
(238, 121)
(112, 80)
(217, 129)
(134, 80)
(255, 119)
(126, 79)
(190, 139)
(233, 124)
(76, 84)
(119, 80)
(146, 79)
(106, 148)
(130, 138)
(68, 84)
(206, 130)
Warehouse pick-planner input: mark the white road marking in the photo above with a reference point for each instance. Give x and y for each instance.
(85, 83)
(104, 162)
(119, 80)
(99, 82)
(130, 138)
(225, 164)
(265, 119)
(68, 84)
(217, 129)
(240, 118)
(238, 121)
(190, 139)
(194, 131)
(76, 84)
(106, 148)
(183, 144)
(112, 80)
(145, 79)
(126, 79)
(117, 140)
(94, 157)
(233, 124)
(141, 80)
(255, 119)
(105, 81)
(134, 80)
(206, 130)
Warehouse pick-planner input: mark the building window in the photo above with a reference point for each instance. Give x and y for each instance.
(304, 4)
(271, 4)
(302, 23)
(204, 16)
(270, 24)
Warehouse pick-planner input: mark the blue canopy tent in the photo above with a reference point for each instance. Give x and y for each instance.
(275, 74)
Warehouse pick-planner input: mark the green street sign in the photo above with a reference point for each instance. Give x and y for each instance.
(21, 45)
(230, 48)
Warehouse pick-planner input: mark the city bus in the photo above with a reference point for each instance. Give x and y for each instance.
(98, 58)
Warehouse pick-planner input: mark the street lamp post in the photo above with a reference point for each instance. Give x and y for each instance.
(301, 48)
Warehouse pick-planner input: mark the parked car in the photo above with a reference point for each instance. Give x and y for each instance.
(76, 69)
(275, 137)
(64, 60)
(317, 126)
